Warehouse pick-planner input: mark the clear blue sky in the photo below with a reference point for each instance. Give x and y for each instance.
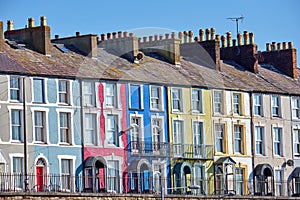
(269, 20)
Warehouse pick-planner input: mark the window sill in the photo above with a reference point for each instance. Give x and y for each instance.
(156, 110)
(64, 104)
(65, 144)
(39, 142)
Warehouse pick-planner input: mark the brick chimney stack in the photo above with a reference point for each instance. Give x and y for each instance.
(37, 37)
(283, 57)
(244, 53)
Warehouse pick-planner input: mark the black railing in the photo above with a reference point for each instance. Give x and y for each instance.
(192, 151)
(146, 148)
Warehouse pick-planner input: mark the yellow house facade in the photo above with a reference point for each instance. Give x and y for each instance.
(191, 140)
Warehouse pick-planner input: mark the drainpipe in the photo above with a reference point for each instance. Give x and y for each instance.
(82, 130)
(252, 137)
(25, 138)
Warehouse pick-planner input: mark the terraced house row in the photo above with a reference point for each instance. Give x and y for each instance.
(174, 114)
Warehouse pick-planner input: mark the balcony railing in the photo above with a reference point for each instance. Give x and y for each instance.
(192, 151)
(146, 148)
(189, 151)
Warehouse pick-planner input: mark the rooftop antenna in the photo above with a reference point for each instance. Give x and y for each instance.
(236, 19)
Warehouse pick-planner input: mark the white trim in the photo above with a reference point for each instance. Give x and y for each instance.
(97, 121)
(119, 128)
(46, 110)
(181, 100)
(116, 92)
(16, 107)
(141, 127)
(68, 157)
(161, 118)
(201, 101)
(71, 124)
(21, 82)
(69, 92)
(161, 99)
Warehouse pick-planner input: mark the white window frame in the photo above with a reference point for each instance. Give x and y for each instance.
(113, 95)
(46, 123)
(20, 108)
(295, 108)
(277, 106)
(296, 141)
(94, 128)
(91, 94)
(72, 174)
(279, 141)
(199, 101)
(67, 93)
(200, 144)
(159, 99)
(179, 99)
(19, 89)
(114, 132)
(141, 96)
(70, 113)
(45, 80)
(240, 140)
(237, 105)
(262, 141)
(179, 140)
(222, 125)
(140, 133)
(115, 176)
(279, 182)
(258, 105)
(12, 156)
(200, 181)
(220, 103)
(154, 128)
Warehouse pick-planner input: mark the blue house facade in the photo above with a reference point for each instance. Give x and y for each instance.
(147, 138)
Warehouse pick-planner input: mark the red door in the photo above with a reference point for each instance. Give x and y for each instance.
(39, 178)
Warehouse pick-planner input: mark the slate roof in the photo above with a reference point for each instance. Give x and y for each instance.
(152, 69)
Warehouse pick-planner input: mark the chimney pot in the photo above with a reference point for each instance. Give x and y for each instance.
(201, 34)
(213, 31)
(161, 37)
(114, 34)
(103, 37)
(108, 36)
(155, 37)
(77, 33)
(217, 37)
(223, 39)
(119, 34)
(10, 25)
(273, 47)
(185, 35)
(167, 35)
(229, 37)
(207, 31)
(151, 38)
(268, 47)
(290, 45)
(144, 39)
(125, 34)
(251, 36)
(30, 22)
(191, 36)
(43, 21)
(180, 35)
(284, 44)
(239, 36)
(56, 36)
(131, 35)
(245, 37)
(234, 42)
(173, 35)
(279, 47)
(140, 40)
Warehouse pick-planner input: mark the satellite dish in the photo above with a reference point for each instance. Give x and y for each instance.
(290, 162)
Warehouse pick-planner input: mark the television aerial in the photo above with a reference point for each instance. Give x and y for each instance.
(237, 19)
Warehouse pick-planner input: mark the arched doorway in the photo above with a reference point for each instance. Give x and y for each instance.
(41, 175)
(95, 169)
(182, 178)
(263, 180)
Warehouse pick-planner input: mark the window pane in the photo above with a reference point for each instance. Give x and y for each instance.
(38, 89)
(135, 96)
(90, 129)
(39, 126)
(16, 124)
(14, 88)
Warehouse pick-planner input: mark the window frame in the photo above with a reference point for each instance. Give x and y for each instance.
(44, 112)
(198, 101)
(94, 129)
(240, 140)
(223, 138)
(114, 131)
(198, 137)
(114, 175)
(66, 93)
(88, 92)
(295, 109)
(237, 105)
(178, 138)
(179, 99)
(277, 142)
(141, 96)
(68, 128)
(258, 105)
(18, 89)
(159, 100)
(277, 107)
(71, 160)
(136, 132)
(261, 141)
(220, 103)
(296, 144)
(157, 132)
(19, 126)
(279, 182)
(43, 92)
(111, 95)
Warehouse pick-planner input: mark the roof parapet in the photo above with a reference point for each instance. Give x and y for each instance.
(36, 37)
(282, 56)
